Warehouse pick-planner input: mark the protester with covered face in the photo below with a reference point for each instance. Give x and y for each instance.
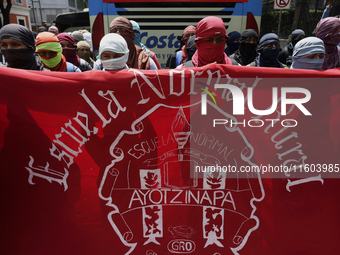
(178, 57)
(137, 57)
(233, 43)
(285, 56)
(69, 51)
(308, 53)
(113, 52)
(210, 43)
(328, 30)
(247, 51)
(84, 52)
(136, 41)
(17, 45)
(191, 48)
(269, 48)
(50, 53)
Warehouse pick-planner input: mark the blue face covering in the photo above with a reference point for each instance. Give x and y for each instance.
(306, 63)
(137, 38)
(137, 41)
(306, 47)
(270, 54)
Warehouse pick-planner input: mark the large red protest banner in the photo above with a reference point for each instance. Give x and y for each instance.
(213, 160)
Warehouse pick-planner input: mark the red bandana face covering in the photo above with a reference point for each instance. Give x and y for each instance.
(208, 53)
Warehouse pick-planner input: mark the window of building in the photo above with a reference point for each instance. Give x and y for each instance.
(72, 3)
(21, 20)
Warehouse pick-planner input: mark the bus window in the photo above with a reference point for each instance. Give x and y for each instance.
(162, 21)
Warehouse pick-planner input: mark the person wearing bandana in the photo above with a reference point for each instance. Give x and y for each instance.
(50, 53)
(233, 43)
(137, 57)
(191, 48)
(328, 30)
(136, 30)
(210, 42)
(84, 52)
(269, 48)
(178, 57)
(113, 52)
(308, 53)
(69, 47)
(247, 51)
(17, 45)
(285, 56)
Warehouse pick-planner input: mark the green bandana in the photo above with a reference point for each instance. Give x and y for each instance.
(52, 46)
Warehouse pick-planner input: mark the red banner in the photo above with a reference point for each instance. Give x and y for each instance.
(213, 160)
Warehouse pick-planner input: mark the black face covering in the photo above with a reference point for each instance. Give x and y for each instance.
(268, 57)
(191, 52)
(22, 59)
(248, 52)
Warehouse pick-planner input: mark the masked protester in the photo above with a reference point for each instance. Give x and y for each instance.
(113, 52)
(152, 55)
(84, 52)
(50, 53)
(247, 51)
(233, 43)
(328, 30)
(210, 42)
(178, 57)
(308, 53)
(285, 56)
(69, 46)
(18, 47)
(137, 57)
(269, 48)
(191, 48)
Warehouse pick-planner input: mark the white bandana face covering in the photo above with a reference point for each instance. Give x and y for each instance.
(115, 63)
(115, 43)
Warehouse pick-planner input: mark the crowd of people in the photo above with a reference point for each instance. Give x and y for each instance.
(206, 42)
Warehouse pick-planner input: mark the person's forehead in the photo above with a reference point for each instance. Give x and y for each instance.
(11, 40)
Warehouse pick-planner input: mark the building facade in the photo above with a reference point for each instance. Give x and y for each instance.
(44, 12)
(19, 14)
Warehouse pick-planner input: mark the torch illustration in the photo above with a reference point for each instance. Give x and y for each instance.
(181, 129)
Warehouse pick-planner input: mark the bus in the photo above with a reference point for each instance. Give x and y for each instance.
(161, 22)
